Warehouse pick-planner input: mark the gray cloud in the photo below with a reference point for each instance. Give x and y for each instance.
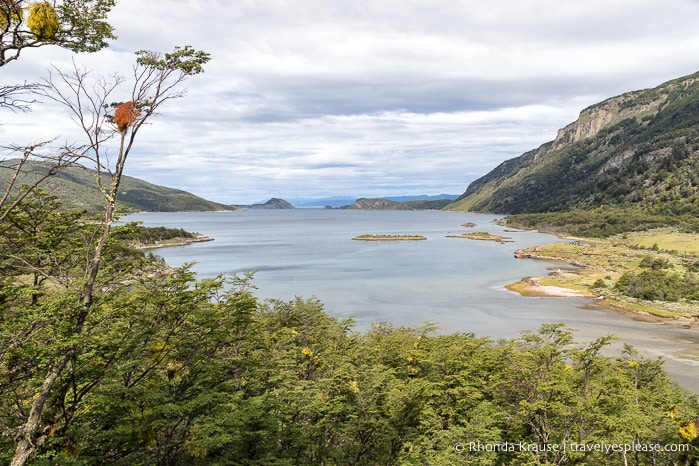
(323, 97)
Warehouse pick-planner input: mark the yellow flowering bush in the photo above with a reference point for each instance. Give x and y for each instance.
(43, 20)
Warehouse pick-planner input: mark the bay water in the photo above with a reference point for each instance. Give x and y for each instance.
(455, 283)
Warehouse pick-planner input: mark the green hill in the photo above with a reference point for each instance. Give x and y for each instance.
(635, 152)
(76, 188)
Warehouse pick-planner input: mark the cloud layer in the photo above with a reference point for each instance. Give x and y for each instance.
(314, 98)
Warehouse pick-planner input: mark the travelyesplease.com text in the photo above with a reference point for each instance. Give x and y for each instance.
(606, 448)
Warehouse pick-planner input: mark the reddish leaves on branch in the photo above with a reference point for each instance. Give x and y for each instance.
(125, 114)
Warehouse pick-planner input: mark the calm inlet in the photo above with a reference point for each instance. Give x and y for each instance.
(455, 283)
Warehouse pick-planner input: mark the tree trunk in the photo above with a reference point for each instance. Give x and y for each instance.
(28, 439)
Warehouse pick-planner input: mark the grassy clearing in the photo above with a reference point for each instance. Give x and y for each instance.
(665, 240)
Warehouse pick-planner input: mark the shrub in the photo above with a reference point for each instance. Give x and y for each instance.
(655, 264)
(599, 284)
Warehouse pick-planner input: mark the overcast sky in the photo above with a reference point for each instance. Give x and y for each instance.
(317, 98)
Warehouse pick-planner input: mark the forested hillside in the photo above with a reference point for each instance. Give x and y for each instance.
(636, 151)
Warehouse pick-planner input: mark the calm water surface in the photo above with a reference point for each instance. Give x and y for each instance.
(456, 283)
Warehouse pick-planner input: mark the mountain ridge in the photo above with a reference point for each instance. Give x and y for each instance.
(636, 150)
(76, 188)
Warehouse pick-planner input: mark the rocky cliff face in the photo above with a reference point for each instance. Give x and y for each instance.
(592, 120)
(636, 104)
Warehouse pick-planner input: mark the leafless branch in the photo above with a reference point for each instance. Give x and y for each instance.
(16, 97)
(86, 102)
(52, 164)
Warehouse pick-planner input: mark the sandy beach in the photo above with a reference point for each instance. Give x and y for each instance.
(532, 287)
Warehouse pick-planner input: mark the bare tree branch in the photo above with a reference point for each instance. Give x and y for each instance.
(87, 102)
(52, 164)
(15, 97)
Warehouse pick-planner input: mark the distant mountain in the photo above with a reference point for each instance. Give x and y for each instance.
(387, 204)
(637, 150)
(274, 203)
(76, 189)
(336, 201)
(339, 201)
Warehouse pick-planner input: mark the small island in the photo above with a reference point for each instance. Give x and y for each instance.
(482, 236)
(389, 238)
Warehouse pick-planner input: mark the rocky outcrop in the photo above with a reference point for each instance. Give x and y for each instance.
(636, 104)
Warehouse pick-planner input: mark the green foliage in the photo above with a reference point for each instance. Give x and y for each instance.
(600, 222)
(43, 245)
(387, 204)
(185, 59)
(658, 285)
(658, 263)
(599, 284)
(85, 21)
(179, 371)
(135, 232)
(62, 335)
(77, 25)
